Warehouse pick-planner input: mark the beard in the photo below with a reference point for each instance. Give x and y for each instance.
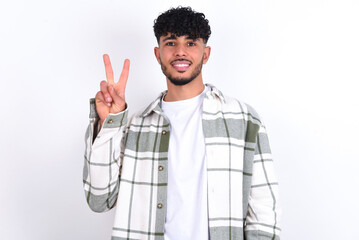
(180, 81)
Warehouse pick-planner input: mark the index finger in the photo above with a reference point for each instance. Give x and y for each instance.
(108, 68)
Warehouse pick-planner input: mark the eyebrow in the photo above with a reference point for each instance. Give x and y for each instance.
(173, 36)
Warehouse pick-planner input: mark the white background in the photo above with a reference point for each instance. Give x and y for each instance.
(295, 62)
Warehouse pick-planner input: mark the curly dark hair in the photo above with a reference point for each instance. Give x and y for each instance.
(182, 21)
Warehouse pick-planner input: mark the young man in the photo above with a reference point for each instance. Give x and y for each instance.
(194, 164)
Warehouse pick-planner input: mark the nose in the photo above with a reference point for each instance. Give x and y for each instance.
(180, 51)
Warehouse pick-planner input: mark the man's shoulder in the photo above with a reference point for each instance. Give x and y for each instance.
(243, 107)
(230, 104)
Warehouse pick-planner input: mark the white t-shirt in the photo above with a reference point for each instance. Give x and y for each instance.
(187, 214)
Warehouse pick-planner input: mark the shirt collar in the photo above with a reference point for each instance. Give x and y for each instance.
(155, 106)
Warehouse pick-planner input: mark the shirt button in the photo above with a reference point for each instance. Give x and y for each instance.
(160, 168)
(164, 132)
(110, 121)
(159, 205)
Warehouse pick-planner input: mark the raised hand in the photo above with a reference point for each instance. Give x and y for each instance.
(111, 97)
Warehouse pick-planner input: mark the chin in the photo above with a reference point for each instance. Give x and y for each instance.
(180, 82)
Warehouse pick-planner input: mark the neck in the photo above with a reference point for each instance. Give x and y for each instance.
(189, 90)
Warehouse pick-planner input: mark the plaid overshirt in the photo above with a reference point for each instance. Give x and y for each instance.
(126, 165)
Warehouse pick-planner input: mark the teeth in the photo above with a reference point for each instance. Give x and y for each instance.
(181, 65)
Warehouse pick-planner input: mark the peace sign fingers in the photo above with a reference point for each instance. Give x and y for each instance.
(111, 98)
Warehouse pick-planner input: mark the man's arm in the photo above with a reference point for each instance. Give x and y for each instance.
(262, 221)
(103, 160)
(104, 140)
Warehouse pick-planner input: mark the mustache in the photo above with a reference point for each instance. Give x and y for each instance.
(181, 59)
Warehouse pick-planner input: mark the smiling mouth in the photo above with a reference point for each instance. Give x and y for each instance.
(181, 65)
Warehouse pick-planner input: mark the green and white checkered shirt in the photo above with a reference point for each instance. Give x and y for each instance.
(126, 165)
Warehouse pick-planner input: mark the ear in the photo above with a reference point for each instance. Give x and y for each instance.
(157, 54)
(206, 54)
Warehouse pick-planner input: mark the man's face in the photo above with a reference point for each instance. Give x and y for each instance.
(181, 58)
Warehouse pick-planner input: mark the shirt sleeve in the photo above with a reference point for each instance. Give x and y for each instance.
(103, 159)
(262, 220)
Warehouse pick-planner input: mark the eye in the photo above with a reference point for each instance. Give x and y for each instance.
(191, 44)
(170, 43)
